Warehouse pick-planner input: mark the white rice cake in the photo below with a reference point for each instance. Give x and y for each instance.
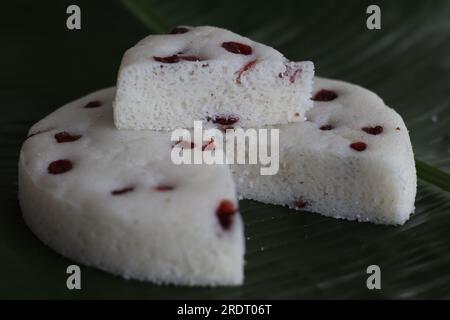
(206, 73)
(113, 199)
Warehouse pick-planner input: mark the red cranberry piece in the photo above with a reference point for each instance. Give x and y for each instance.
(122, 191)
(225, 212)
(170, 59)
(190, 58)
(373, 130)
(59, 166)
(325, 95)
(301, 204)
(290, 72)
(326, 127)
(208, 145)
(185, 144)
(176, 58)
(163, 188)
(358, 146)
(179, 30)
(243, 69)
(238, 48)
(226, 120)
(294, 74)
(93, 104)
(64, 136)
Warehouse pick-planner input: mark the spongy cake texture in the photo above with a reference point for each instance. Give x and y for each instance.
(209, 74)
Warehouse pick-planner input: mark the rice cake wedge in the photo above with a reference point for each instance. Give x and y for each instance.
(113, 200)
(167, 82)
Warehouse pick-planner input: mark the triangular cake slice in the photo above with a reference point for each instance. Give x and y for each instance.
(209, 74)
(351, 159)
(113, 199)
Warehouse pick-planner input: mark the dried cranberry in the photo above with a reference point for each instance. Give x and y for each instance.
(185, 144)
(208, 145)
(238, 48)
(179, 30)
(294, 74)
(170, 59)
(163, 188)
(325, 95)
(59, 166)
(301, 204)
(373, 130)
(290, 72)
(64, 136)
(226, 120)
(358, 146)
(93, 104)
(122, 191)
(190, 58)
(225, 212)
(176, 58)
(243, 69)
(326, 127)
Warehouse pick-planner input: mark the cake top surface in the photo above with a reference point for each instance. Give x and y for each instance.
(350, 119)
(204, 43)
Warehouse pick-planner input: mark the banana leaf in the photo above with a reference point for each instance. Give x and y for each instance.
(289, 254)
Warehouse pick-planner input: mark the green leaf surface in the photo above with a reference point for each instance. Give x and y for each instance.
(289, 254)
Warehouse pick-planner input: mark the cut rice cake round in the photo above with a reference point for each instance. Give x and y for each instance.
(351, 159)
(113, 200)
(210, 74)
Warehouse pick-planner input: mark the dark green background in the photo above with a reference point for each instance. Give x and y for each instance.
(43, 65)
